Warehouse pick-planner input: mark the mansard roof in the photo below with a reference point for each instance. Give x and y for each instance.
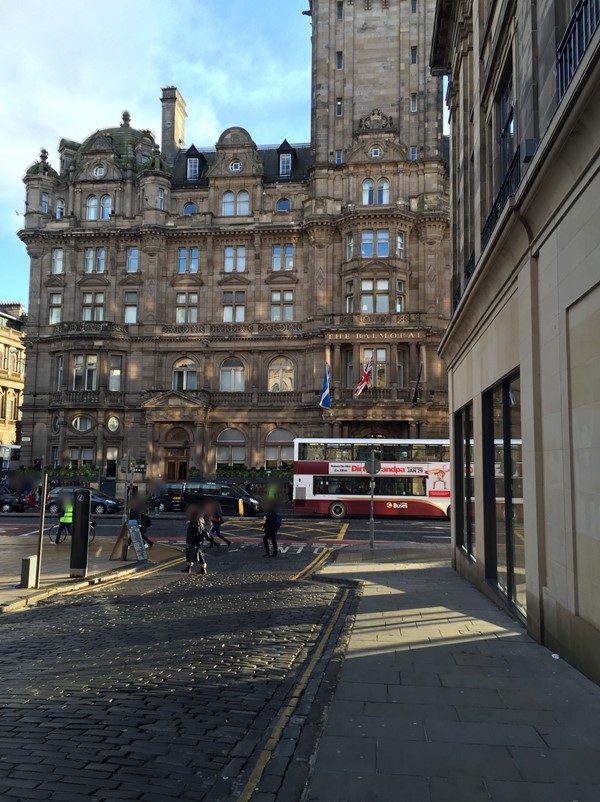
(268, 155)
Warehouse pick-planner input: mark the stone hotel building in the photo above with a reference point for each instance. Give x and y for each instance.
(185, 300)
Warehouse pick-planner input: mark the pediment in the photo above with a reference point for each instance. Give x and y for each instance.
(100, 143)
(131, 280)
(239, 279)
(191, 280)
(285, 277)
(393, 150)
(56, 281)
(94, 280)
(176, 399)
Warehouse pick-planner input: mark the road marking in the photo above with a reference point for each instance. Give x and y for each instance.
(286, 714)
(111, 582)
(342, 532)
(312, 566)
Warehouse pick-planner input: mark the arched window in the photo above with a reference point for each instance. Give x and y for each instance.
(184, 375)
(13, 360)
(189, 209)
(91, 208)
(243, 202)
(228, 204)
(60, 208)
(231, 448)
(279, 448)
(283, 205)
(383, 191)
(281, 375)
(232, 377)
(367, 192)
(105, 207)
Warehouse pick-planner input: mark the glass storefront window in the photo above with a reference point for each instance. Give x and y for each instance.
(504, 490)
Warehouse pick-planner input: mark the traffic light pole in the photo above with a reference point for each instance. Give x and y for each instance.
(373, 468)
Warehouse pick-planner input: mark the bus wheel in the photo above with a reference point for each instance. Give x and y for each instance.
(337, 510)
(448, 515)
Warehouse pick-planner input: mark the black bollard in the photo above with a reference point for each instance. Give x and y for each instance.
(81, 529)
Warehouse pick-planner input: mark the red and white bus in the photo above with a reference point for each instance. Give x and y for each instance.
(331, 477)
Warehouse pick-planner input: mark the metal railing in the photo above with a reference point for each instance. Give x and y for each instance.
(509, 186)
(581, 28)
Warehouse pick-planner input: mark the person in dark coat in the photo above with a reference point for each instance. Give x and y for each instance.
(193, 542)
(271, 524)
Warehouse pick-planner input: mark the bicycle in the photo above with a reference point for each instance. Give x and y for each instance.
(55, 528)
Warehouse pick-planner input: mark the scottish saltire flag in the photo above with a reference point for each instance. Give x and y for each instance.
(364, 381)
(325, 401)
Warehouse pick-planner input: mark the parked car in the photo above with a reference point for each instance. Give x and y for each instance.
(101, 503)
(178, 495)
(12, 502)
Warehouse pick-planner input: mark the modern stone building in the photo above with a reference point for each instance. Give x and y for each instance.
(12, 369)
(522, 348)
(185, 300)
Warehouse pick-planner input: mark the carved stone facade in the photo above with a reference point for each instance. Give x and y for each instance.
(12, 370)
(185, 301)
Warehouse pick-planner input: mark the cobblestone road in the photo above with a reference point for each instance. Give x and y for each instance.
(162, 689)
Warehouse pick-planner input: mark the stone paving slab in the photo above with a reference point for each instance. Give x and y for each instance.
(55, 566)
(443, 697)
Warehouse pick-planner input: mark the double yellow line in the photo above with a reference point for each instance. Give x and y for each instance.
(287, 712)
(313, 566)
(101, 583)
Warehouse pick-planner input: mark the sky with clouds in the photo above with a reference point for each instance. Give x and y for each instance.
(68, 70)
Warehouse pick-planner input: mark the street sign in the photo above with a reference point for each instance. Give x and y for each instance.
(373, 466)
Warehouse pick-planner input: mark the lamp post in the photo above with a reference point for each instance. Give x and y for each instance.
(373, 467)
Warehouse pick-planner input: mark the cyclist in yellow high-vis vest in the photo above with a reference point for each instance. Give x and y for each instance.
(66, 518)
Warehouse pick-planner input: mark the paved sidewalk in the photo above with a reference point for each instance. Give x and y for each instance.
(442, 697)
(55, 566)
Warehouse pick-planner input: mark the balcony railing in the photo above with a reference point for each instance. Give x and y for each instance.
(402, 319)
(509, 187)
(78, 397)
(573, 45)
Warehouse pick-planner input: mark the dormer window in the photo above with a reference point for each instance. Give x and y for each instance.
(376, 152)
(193, 169)
(285, 165)
(99, 171)
(235, 166)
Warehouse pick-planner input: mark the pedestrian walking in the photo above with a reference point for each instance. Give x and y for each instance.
(216, 521)
(193, 542)
(271, 525)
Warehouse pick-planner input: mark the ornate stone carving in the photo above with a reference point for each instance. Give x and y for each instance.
(104, 327)
(376, 121)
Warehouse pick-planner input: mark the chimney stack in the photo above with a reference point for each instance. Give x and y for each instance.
(173, 123)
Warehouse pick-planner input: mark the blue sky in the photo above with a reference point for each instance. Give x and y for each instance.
(70, 69)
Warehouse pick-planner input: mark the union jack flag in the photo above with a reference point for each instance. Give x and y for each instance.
(364, 381)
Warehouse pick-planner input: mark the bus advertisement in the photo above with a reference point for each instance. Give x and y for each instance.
(331, 477)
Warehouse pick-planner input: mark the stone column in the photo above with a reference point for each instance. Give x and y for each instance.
(253, 446)
(199, 447)
(100, 461)
(150, 456)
